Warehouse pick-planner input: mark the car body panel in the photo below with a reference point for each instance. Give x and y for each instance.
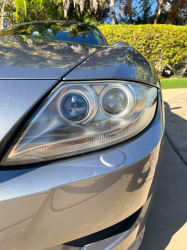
(15, 216)
(68, 211)
(115, 63)
(17, 97)
(71, 195)
(49, 204)
(127, 240)
(35, 58)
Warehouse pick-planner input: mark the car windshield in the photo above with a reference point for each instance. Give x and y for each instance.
(63, 31)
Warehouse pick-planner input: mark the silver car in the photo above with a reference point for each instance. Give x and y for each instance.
(81, 139)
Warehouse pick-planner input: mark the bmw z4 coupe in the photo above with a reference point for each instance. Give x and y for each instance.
(81, 139)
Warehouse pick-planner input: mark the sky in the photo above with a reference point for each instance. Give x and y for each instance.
(152, 10)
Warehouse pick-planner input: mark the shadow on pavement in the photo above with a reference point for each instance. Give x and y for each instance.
(168, 214)
(176, 125)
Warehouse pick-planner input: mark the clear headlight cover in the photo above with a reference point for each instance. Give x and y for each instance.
(79, 117)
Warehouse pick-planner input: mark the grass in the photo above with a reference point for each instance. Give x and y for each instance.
(174, 83)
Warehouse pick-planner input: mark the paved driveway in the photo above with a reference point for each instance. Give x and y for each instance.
(167, 223)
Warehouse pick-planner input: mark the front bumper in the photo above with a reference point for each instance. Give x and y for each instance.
(44, 208)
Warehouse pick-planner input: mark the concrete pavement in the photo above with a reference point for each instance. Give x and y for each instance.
(166, 226)
(176, 119)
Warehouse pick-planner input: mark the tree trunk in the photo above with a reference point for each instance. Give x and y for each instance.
(185, 14)
(172, 16)
(1, 23)
(152, 18)
(175, 10)
(184, 70)
(130, 10)
(157, 15)
(131, 21)
(158, 10)
(2, 18)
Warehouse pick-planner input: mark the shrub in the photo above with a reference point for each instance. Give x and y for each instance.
(164, 45)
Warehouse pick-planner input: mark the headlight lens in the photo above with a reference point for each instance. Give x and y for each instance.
(116, 100)
(84, 116)
(74, 107)
(78, 104)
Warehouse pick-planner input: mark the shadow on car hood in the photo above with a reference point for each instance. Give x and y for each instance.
(24, 57)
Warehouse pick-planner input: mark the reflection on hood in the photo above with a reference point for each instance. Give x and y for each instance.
(36, 53)
(115, 62)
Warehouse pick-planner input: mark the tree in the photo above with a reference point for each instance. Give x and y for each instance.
(128, 10)
(63, 6)
(171, 9)
(174, 10)
(158, 10)
(143, 17)
(96, 11)
(82, 10)
(146, 9)
(185, 16)
(85, 10)
(6, 10)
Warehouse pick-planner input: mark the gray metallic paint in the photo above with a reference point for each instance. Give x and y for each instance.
(115, 62)
(126, 239)
(36, 58)
(118, 44)
(17, 97)
(77, 192)
(119, 241)
(47, 206)
(68, 211)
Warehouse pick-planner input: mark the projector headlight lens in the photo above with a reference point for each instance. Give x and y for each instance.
(74, 107)
(81, 117)
(117, 100)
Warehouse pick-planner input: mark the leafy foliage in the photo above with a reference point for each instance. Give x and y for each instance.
(164, 45)
(95, 11)
(18, 11)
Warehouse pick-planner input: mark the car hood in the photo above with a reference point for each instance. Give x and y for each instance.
(124, 63)
(24, 57)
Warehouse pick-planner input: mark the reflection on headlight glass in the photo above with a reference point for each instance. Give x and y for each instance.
(74, 107)
(114, 102)
(84, 116)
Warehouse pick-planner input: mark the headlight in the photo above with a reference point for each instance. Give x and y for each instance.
(78, 105)
(116, 100)
(84, 116)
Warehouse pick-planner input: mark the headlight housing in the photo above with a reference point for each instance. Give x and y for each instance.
(79, 117)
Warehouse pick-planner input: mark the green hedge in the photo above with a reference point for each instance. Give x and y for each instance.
(164, 45)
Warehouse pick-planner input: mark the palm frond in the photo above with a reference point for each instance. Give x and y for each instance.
(21, 6)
